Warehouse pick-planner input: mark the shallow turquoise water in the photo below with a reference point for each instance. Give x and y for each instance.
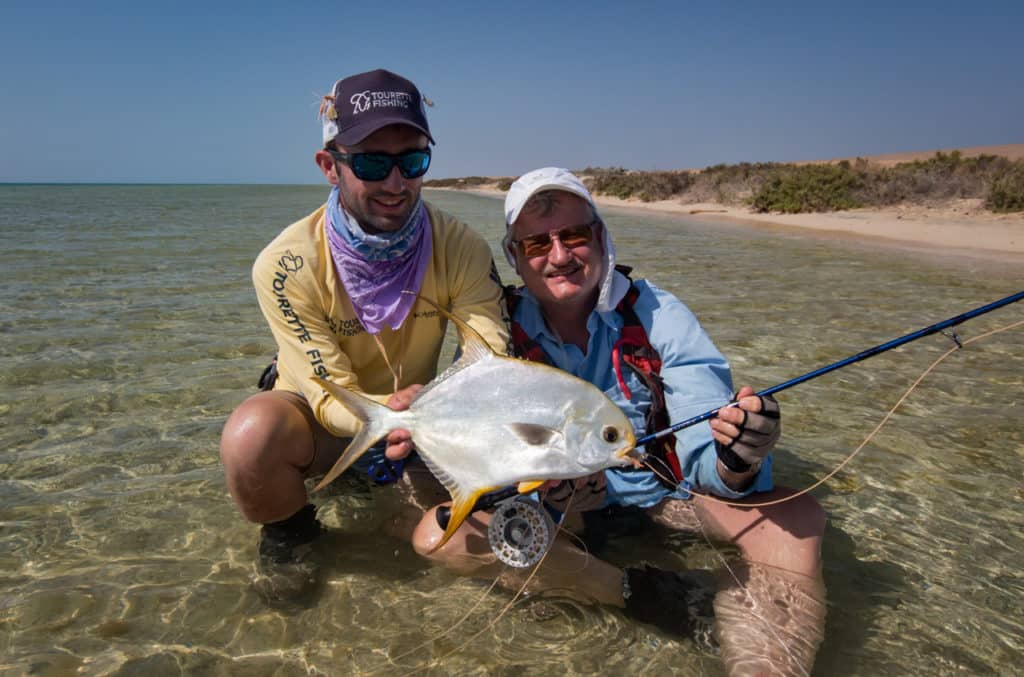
(129, 330)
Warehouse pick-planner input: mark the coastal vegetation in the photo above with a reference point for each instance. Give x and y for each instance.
(464, 182)
(1007, 191)
(812, 187)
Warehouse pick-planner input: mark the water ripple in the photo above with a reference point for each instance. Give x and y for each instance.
(122, 554)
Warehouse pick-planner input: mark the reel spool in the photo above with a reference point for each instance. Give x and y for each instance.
(520, 532)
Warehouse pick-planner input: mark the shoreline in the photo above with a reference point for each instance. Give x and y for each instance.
(962, 228)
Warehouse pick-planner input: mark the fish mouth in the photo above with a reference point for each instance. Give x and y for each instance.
(633, 456)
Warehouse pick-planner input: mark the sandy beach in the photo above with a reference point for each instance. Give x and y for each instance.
(961, 228)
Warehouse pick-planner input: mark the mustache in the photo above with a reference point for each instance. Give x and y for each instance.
(562, 270)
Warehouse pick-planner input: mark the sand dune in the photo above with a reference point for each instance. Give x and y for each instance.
(1012, 151)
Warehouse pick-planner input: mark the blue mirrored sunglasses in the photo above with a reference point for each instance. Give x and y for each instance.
(412, 164)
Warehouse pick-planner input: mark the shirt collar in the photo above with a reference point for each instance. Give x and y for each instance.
(535, 327)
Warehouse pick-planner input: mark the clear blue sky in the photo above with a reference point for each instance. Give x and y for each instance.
(227, 92)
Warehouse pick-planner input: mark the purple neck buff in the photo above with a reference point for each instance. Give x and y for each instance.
(375, 284)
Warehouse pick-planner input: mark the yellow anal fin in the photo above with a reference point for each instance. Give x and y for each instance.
(462, 506)
(534, 485)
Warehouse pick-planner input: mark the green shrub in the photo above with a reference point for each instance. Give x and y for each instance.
(809, 188)
(647, 186)
(941, 177)
(790, 188)
(1006, 194)
(463, 182)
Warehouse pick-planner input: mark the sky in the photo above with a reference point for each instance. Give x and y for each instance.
(223, 92)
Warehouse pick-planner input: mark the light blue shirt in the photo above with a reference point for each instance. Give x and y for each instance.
(696, 378)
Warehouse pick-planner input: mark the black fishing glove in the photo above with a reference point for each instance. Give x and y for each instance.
(586, 493)
(758, 433)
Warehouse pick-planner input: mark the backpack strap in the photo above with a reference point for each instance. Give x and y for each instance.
(634, 350)
(523, 345)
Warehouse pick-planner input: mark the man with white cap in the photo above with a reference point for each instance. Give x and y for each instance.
(334, 288)
(649, 354)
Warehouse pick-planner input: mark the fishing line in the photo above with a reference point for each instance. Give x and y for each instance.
(863, 355)
(465, 617)
(396, 374)
(489, 625)
(936, 328)
(871, 435)
(754, 604)
(648, 462)
(501, 614)
(442, 515)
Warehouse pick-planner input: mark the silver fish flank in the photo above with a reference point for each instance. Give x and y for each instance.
(491, 421)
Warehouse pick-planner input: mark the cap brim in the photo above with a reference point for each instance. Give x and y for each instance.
(554, 185)
(358, 133)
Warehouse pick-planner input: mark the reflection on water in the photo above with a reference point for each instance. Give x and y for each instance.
(130, 330)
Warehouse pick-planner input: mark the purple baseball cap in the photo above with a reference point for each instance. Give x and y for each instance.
(365, 102)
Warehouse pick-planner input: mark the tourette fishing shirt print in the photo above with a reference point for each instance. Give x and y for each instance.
(318, 333)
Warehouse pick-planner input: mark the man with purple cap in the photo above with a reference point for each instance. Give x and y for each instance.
(338, 289)
(639, 344)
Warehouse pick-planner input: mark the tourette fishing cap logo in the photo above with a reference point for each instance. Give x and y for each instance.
(364, 101)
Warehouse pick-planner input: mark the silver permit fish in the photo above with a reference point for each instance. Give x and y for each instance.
(491, 421)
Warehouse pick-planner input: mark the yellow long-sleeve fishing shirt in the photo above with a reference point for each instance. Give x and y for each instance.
(318, 333)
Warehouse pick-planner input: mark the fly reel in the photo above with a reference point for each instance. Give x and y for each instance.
(520, 532)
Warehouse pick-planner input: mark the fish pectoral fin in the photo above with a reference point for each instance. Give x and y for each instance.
(533, 485)
(462, 506)
(534, 434)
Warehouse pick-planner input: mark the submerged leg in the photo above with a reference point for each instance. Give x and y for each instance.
(770, 606)
(785, 536)
(768, 621)
(269, 444)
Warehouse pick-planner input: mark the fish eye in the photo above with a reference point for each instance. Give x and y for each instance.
(610, 434)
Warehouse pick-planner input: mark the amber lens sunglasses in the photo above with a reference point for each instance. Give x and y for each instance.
(570, 237)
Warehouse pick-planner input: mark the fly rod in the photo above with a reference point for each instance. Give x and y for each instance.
(490, 500)
(870, 352)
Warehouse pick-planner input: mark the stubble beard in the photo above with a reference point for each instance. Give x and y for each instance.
(376, 224)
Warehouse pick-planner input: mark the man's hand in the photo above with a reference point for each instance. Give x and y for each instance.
(579, 495)
(400, 441)
(749, 430)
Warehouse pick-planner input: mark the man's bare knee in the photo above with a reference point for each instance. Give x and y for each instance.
(258, 428)
(468, 552)
(261, 447)
(802, 516)
(427, 534)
